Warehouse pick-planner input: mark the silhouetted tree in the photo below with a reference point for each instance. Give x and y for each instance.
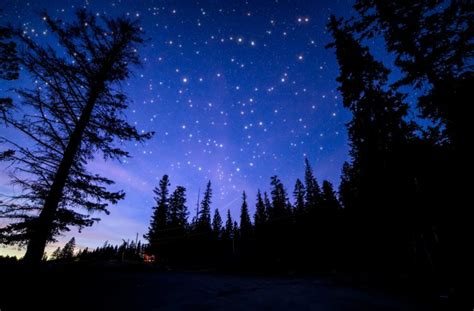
(228, 229)
(313, 191)
(380, 142)
(56, 254)
(160, 218)
(73, 112)
(178, 211)
(246, 228)
(204, 217)
(217, 224)
(329, 199)
(432, 42)
(299, 197)
(260, 217)
(279, 196)
(437, 49)
(67, 252)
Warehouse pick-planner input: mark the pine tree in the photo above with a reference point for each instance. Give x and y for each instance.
(217, 224)
(56, 254)
(299, 196)
(432, 42)
(313, 192)
(204, 217)
(245, 223)
(279, 200)
(347, 186)
(329, 198)
(67, 253)
(178, 211)
(260, 217)
(73, 113)
(434, 53)
(229, 229)
(268, 206)
(380, 140)
(160, 218)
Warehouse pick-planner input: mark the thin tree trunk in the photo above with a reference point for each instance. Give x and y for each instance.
(43, 227)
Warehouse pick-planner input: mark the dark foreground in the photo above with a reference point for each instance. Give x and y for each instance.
(62, 289)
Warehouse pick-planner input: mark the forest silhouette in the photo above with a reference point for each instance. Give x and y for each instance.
(400, 213)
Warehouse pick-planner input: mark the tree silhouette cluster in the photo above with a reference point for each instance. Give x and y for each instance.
(127, 251)
(280, 235)
(405, 214)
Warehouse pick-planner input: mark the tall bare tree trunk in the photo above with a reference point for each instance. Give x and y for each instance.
(43, 227)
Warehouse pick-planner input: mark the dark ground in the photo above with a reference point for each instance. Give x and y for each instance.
(149, 289)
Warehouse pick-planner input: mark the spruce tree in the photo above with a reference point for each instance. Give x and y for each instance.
(160, 218)
(67, 252)
(56, 254)
(313, 191)
(260, 217)
(204, 217)
(217, 224)
(228, 229)
(329, 198)
(268, 205)
(245, 223)
(380, 140)
(299, 194)
(178, 211)
(279, 210)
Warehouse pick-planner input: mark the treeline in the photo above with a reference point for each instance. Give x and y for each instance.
(280, 235)
(127, 251)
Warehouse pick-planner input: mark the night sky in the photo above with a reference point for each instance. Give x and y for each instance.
(236, 92)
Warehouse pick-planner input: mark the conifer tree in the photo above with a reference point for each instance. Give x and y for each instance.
(178, 211)
(160, 218)
(329, 198)
(313, 192)
(260, 217)
(67, 252)
(245, 223)
(434, 53)
(56, 254)
(204, 217)
(73, 113)
(380, 139)
(299, 196)
(279, 199)
(229, 226)
(268, 206)
(217, 224)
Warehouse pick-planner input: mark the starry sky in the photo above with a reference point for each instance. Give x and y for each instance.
(236, 91)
